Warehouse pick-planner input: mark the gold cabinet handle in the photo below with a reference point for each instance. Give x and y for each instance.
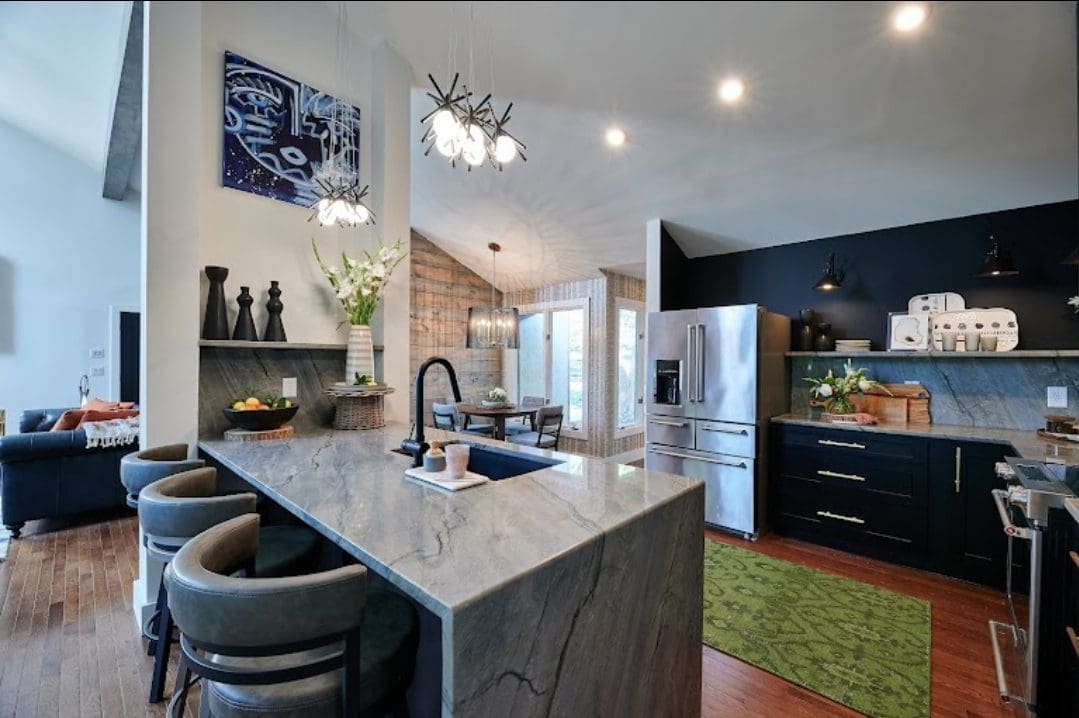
(837, 475)
(958, 468)
(841, 517)
(1073, 638)
(844, 444)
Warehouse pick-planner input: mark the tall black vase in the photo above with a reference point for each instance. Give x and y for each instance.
(275, 330)
(245, 323)
(215, 324)
(807, 332)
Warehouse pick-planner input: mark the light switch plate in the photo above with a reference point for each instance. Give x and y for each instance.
(97, 353)
(1056, 397)
(288, 387)
(97, 371)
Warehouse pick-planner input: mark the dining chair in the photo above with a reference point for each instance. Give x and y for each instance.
(525, 425)
(548, 429)
(448, 418)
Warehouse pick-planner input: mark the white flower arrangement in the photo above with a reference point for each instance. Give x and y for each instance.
(358, 283)
(1074, 303)
(498, 395)
(835, 391)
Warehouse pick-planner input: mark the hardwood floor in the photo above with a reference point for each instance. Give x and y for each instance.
(68, 644)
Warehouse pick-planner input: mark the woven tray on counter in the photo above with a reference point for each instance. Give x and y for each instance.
(359, 409)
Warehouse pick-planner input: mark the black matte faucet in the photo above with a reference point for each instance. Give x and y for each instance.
(417, 446)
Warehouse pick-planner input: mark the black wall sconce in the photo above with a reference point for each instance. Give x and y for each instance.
(832, 279)
(998, 262)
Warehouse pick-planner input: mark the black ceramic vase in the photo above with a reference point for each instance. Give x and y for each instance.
(215, 324)
(806, 333)
(275, 330)
(825, 341)
(245, 323)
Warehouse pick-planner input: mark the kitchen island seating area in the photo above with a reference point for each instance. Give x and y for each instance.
(311, 645)
(142, 468)
(174, 510)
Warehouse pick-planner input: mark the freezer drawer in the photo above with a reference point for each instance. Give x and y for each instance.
(729, 484)
(719, 437)
(669, 431)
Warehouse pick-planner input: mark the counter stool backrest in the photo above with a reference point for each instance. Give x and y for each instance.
(179, 507)
(142, 468)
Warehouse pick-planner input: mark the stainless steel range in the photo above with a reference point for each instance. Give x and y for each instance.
(1034, 490)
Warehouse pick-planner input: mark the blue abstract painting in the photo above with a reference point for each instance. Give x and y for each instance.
(281, 135)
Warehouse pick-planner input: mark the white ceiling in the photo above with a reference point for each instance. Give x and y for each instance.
(847, 126)
(59, 65)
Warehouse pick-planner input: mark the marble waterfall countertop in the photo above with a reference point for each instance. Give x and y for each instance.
(1027, 444)
(445, 549)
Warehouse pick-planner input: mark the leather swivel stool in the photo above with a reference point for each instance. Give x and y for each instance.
(177, 508)
(304, 646)
(142, 468)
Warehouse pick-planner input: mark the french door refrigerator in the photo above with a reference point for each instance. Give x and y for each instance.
(715, 377)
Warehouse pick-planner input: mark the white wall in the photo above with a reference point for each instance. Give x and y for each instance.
(261, 239)
(66, 254)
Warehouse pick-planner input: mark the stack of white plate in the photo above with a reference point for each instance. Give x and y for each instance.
(852, 345)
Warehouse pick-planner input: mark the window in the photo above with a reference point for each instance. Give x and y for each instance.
(552, 359)
(629, 316)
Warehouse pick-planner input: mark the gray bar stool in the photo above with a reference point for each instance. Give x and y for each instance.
(177, 508)
(304, 646)
(142, 468)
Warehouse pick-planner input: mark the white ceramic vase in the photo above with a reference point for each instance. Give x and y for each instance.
(360, 355)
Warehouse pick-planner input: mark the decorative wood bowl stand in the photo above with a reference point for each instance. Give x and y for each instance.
(359, 409)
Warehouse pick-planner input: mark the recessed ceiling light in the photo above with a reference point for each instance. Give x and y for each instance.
(731, 90)
(910, 16)
(616, 137)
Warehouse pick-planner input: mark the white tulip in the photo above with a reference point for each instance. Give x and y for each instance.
(825, 390)
(865, 385)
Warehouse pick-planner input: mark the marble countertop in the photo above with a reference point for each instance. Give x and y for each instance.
(1026, 444)
(445, 549)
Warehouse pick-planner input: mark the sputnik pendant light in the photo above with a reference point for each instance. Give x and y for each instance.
(340, 196)
(493, 327)
(461, 128)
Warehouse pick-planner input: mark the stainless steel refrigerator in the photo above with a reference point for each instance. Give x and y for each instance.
(715, 377)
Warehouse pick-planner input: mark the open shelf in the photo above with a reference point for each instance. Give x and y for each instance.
(1014, 354)
(235, 344)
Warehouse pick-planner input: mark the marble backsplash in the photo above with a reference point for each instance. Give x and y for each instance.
(977, 391)
(226, 373)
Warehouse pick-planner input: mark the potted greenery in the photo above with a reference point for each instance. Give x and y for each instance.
(358, 284)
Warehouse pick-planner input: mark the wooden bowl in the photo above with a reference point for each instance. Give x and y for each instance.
(261, 419)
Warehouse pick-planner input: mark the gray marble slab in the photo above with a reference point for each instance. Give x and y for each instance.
(1026, 444)
(1002, 392)
(572, 590)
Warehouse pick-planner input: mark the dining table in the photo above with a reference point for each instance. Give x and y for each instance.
(498, 415)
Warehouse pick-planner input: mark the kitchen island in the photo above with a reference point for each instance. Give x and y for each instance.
(574, 589)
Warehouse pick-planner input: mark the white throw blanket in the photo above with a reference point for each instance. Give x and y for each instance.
(114, 432)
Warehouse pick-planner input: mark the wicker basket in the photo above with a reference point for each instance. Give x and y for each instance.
(359, 410)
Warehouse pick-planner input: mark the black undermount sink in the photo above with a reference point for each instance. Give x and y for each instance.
(497, 464)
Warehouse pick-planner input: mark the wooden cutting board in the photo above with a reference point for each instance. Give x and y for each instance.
(909, 404)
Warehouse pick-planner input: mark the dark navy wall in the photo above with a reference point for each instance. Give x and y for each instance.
(887, 267)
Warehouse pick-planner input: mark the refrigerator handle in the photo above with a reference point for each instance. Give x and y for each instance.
(690, 375)
(700, 362)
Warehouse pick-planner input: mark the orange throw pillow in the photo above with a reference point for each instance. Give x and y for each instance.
(92, 415)
(69, 420)
(102, 405)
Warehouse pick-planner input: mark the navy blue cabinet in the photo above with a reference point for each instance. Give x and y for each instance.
(911, 500)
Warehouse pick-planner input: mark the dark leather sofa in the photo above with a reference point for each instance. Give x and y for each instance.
(48, 474)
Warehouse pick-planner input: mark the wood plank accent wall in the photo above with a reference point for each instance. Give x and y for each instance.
(442, 291)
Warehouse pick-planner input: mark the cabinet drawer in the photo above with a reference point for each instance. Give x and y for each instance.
(853, 442)
(669, 431)
(888, 476)
(722, 438)
(841, 513)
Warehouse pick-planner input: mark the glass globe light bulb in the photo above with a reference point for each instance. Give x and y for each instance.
(473, 151)
(444, 123)
(505, 149)
(362, 213)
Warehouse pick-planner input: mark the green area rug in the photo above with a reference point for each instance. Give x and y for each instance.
(860, 645)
